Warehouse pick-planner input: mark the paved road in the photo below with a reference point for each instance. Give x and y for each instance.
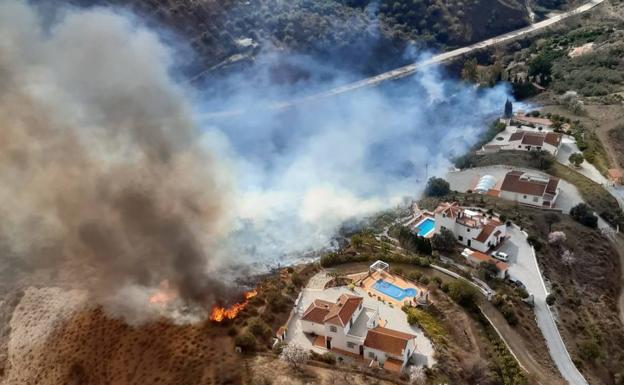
(410, 69)
(523, 266)
(440, 58)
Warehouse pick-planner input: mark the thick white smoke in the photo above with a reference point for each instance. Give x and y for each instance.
(115, 177)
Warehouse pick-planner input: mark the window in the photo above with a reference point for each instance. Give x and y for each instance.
(351, 322)
(467, 230)
(460, 238)
(519, 146)
(525, 197)
(535, 199)
(350, 345)
(333, 329)
(371, 355)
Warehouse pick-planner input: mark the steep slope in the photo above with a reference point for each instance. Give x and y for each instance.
(358, 35)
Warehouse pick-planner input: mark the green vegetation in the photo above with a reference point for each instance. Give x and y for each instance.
(437, 187)
(463, 293)
(550, 299)
(428, 323)
(413, 242)
(247, 342)
(583, 214)
(576, 159)
(444, 240)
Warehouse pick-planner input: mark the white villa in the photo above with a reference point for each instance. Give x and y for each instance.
(471, 228)
(540, 191)
(348, 326)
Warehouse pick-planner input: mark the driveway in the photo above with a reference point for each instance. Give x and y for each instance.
(394, 317)
(523, 266)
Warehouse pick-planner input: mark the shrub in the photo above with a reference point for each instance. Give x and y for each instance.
(463, 293)
(550, 299)
(414, 276)
(247, 342)
(589, 350)
(535, 242)
(259, 328)
(232, 331)
(583, 214)
(576, 159)
(424, 280)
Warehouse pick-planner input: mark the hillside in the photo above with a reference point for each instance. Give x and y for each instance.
(358, 35)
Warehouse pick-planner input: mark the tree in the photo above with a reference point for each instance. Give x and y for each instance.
(508, 109)
(294, 355)
(444, 240)
(470, 71)
(551, 219)
(463, 293)
(489, 269)
(357, 241)
(583, 214)
(437, 187)
(576, 159)
(556, 237)
(542, 159)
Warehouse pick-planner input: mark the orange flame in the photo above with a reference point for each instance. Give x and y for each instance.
(164, 295)
(220, 314)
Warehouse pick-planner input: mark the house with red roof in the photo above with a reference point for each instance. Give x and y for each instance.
(346, 326)
(476, 258)
(529, 189)
(524, 140)
(470, 227)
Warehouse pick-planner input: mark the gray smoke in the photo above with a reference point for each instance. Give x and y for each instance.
(108, 184)
(104, 182)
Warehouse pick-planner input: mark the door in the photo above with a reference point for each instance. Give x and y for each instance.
(469, 243)
(328, 342)
(361, 350)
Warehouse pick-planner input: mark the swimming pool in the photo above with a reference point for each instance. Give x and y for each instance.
(393, 291)
(425, 226)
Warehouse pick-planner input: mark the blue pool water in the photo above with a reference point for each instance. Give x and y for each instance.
(393, 291)
(425, 227)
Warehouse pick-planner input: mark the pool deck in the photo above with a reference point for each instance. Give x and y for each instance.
(369, 282)
(423, 217)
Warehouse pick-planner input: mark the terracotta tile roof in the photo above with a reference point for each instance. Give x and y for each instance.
(551, 187)
(553, 139)
(317, 311)
(533, 139)
(387, 340)
(340, 312)
(518, 135)
(485, 233)
(481, 257)
(536, 138)
(514, 182)
(451, 210)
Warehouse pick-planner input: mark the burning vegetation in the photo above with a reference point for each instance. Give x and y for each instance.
(220, 314)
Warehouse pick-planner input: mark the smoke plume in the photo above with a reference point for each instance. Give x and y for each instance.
(103, 179)
(115, 177)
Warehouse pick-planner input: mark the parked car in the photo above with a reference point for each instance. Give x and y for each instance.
(500, 256)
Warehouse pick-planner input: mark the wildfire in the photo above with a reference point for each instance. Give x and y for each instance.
(164, 295)
(220, 314)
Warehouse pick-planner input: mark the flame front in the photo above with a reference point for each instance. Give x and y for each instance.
(164, 295)
(220, 314)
